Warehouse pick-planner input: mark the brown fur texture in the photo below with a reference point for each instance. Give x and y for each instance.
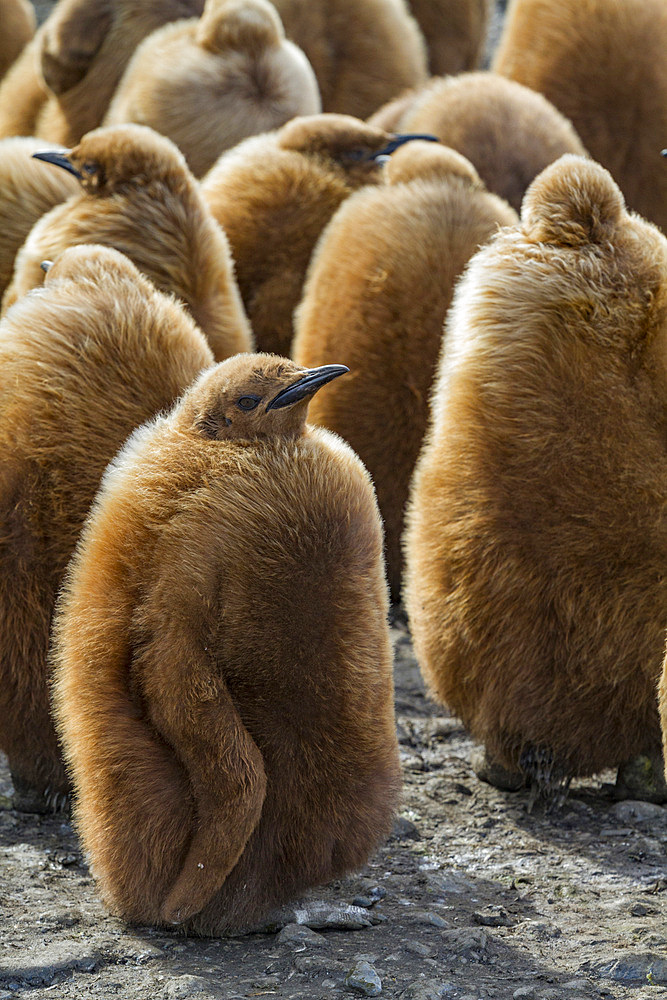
(224, 684)
(507, 131)
(364, 52)
(17, 26)
(600, 62)
(83, 361)
(662, 693)
(28, 189)
(378, 288)
(61, 85)
(208, 84)
(273, 195)
(138, 196)
(537, 537)
(455, 32)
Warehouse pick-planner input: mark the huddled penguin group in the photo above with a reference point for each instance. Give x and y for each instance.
(291, 329)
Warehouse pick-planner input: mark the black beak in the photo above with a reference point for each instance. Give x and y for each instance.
(309, 383)
(399, 140)
(46, 266)
(58, 159)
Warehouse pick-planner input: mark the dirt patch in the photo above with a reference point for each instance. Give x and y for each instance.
(472, 897)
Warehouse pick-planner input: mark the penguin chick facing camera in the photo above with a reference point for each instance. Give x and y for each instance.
(223, 666)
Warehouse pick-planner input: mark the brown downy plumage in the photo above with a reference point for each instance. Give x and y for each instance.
(83, 361)
(455, 32)
(223, 666)
(378, 288)
(28, 189)
(208, 84)
(17, 26)
(537, 540)
(273, 195)
(139, 197)
(364, 52)
(600, 63)
(507, 131)
(61, 85)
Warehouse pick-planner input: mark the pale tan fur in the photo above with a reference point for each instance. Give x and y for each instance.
(28, 189)
(600, 62)
(455, 32)
(507, 131)
(223, 665)
(139, 197)
(61, 85)
(17, 26)
(273, 195)
(83, 361)
(208, 84)
(537, 537)
(364, 52)
(378, 288)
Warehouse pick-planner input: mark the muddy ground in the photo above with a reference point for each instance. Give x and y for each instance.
(472, 897)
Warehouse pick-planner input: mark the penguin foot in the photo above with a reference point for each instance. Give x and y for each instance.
(318, 915)
(642, 778)
(28, 799)
(495, 774)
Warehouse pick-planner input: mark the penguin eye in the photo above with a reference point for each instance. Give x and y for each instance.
(248, 402)
(89, 167)
(354, 155)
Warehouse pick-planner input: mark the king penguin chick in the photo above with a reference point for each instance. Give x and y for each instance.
(273, 195)
(61, 85)
(208, 84)
(455, 32)
(83, 361)
(223, 666)
(377, 291)
(28, 189)
(363, 52)
(138, 196)
(537, 541)
(17, 26)
(601, 64)
(508, 132)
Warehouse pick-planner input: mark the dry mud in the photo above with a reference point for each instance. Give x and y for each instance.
(472, 897)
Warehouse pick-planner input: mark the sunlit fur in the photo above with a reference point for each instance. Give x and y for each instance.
(208, 84)
(364, 52)
(537, 539)
(455, 32)
(61, 85)
(600, 62)
(273, 195)
(138, 196)
(506, 130)
(28, 189)
(379, 285)
(17, 26)
(224, 689)
(83, 361)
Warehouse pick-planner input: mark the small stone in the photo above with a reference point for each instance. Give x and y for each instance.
(417, 948)
(297, 935)
(364, 979)
(318, 964)
(631, 967)
(370, 898)
(404, 829)
(632, 811)
(427, 989)
(434, 919)
(640, 910)
(467, 941)
(524, 993)
(184, 987)
(493, 916)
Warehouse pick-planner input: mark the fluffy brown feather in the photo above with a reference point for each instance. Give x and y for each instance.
(378, 288)
(138, 196)
(600, 63)
(61, 85)
(83, 361)
(455, 32)
(507, 131)
(537, 535)
(223, 688)
(209, 83)
(273, 195)
(17, 26)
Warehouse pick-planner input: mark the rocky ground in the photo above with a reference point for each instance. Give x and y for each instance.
(473, 897)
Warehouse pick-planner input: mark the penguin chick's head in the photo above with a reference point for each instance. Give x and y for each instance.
(111, 158)
(252, 396)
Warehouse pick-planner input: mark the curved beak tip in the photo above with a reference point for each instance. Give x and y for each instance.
(312, 380)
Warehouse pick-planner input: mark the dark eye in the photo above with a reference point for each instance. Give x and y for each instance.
(247, 402)
(89, 167)
(355, 155)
